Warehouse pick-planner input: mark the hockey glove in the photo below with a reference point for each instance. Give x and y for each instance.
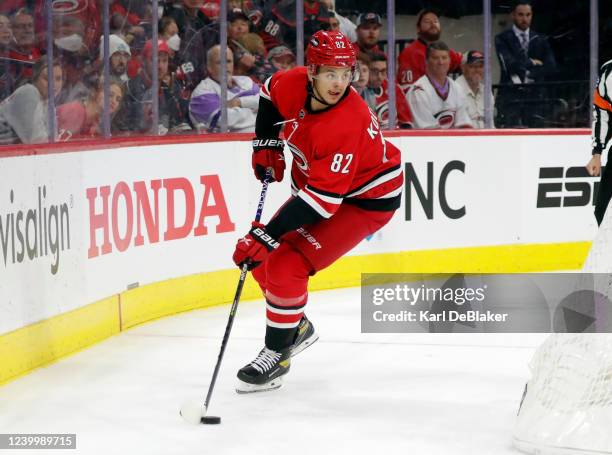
(253, 248)
(268, 153)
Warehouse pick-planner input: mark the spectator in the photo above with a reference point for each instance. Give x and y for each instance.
(237, 24)
(7, 83)
(256, 68)
(169, 32)
(119, 53)
(80, 15)
(471, 81)
(197, 33)
(436, 101)
(23, 54)
(377, 87)
(281, 58)
(237, 28)
(412, 58)
(137, 114)
(23, 115)
(368, 33)
(242, 93)
(278, 24)
(346, 27)
(361, 84)
(8, 7)
(76, 72)
(81, 119)
(525, 57)
(68, 36)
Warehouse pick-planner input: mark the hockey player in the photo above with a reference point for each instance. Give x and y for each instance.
(602, 138)
(346, 183)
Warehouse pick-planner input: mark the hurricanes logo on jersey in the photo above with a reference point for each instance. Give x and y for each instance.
(298, 158)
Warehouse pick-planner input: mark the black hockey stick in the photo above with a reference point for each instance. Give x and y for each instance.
(230, 322)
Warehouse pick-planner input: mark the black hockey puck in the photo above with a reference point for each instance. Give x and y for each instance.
(211, 420)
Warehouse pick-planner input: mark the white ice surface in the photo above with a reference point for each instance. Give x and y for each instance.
(422, 394)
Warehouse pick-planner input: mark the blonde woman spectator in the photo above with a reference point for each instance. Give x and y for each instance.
(81, 119)
(23, 115)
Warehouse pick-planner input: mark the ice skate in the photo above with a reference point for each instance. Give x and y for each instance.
(304, 337)
(265, 372)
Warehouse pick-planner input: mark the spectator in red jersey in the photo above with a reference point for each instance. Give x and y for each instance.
(377, 87)
(23, 115)
(81, 119)
(412, 59)
(368, 33)
(23, 53)
(7, 83)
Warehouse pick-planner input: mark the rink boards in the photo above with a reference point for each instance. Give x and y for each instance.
(94, 241)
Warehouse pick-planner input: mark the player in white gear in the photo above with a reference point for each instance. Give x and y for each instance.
(436, 100)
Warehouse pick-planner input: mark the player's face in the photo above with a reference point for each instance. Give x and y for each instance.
(522, 16)
(331, 82)
(429, 27)
(438, 63)
(368, 34)
(334, 24)
(378, 73)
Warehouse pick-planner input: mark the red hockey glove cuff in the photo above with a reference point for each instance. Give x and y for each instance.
(253, 248)
(268, 153)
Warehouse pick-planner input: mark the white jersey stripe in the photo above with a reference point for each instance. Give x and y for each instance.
(324, 197)
(282, 325)
(314, 204)
(378, 181)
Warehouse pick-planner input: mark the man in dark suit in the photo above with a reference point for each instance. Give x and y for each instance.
(525, 57)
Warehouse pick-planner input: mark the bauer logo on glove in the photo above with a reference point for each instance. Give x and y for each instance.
(268, 154)
(254, 247)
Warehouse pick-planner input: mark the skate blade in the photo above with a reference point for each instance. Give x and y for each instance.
(244, 387)
(307, 343)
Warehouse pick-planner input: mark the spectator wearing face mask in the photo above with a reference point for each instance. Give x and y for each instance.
(169, 32)
(471, 81)
(23, 115)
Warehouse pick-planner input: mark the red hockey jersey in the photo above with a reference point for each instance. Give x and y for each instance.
(339, 154)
